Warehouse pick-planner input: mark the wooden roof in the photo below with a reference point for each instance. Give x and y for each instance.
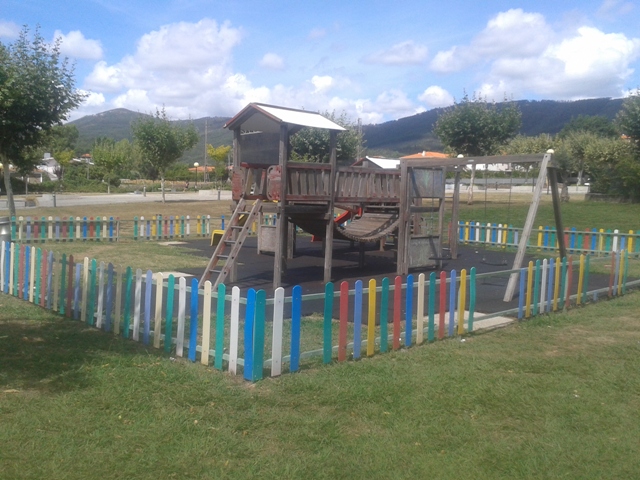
(259, 117)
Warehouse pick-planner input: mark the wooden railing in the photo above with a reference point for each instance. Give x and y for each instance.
(310, 182)
(357, 184)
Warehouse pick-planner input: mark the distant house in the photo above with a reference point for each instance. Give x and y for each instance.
(85, 159)
(425, 154)
(390, 163)
(49, 166)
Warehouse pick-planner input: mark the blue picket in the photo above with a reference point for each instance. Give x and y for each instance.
(258, 338)
(249, 319)
(408, 311)
(357, 320)
(326, 328)
(296, 317)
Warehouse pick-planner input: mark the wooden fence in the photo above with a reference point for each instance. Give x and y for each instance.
(591, 240)
(108, 228)
(255, 335)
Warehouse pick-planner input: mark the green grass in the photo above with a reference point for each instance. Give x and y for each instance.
(555, 397)
(575, 213)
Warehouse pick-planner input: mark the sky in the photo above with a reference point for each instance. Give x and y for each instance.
(377, 61)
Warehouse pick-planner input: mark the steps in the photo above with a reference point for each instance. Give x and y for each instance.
(228, 247)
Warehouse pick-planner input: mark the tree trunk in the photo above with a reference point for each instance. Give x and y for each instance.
(471, 184)
(564, 191)
(7, 186)
(162, 188)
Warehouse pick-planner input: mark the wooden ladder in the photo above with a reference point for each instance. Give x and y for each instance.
(231, 242)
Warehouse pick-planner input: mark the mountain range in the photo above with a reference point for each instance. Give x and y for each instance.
(395, 138)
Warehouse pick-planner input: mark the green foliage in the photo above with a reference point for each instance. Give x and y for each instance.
(179, 171)
(109, 157)
(219, 156)
(628, 118)
(475, 127)
(614, 167)
(161, 142)
(312, 144)
(36, 93)
(596, 124)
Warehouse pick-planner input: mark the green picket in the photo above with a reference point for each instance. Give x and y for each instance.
(168, 328)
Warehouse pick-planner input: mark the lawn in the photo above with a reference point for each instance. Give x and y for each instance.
(555, 397)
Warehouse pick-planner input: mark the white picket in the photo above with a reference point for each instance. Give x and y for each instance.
(100, 295)
(276, 342)
(233, 334)
(206, 323)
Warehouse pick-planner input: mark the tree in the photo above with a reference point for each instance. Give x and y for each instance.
(312, 144)
(36, 92)
(614, 166)
(628, 118)
(596, 124)
(109, 157)
(475, 127)
(219, 156)
(162, 142)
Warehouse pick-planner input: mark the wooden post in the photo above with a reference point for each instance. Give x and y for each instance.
(237, 159)
(553, 185)
(402, 262)
(526, 231)
(453, 239)
(279, 261)
(328, 253)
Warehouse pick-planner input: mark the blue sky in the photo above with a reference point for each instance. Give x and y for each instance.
(376, 60)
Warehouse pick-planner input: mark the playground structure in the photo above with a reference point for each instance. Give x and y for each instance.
(408, 202)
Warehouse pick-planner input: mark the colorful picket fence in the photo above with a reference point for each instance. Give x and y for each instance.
(108, 228)
(252, 335)
(591, 240)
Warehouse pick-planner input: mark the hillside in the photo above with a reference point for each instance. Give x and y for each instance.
(414, 134)
(116, 124)
(404, 136)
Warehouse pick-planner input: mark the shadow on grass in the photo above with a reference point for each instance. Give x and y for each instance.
(45, 352)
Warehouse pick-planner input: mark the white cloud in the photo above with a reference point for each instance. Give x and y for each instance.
(9, 30)
(520, 55)
(93, 103)
(272, 61)
(404, 53)
(75, 45)
(513, 33)
(322, 83)
(435, 97)
(179, 66)
(135, 99)
(395, 102)
(589, 64)
(183, 45)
